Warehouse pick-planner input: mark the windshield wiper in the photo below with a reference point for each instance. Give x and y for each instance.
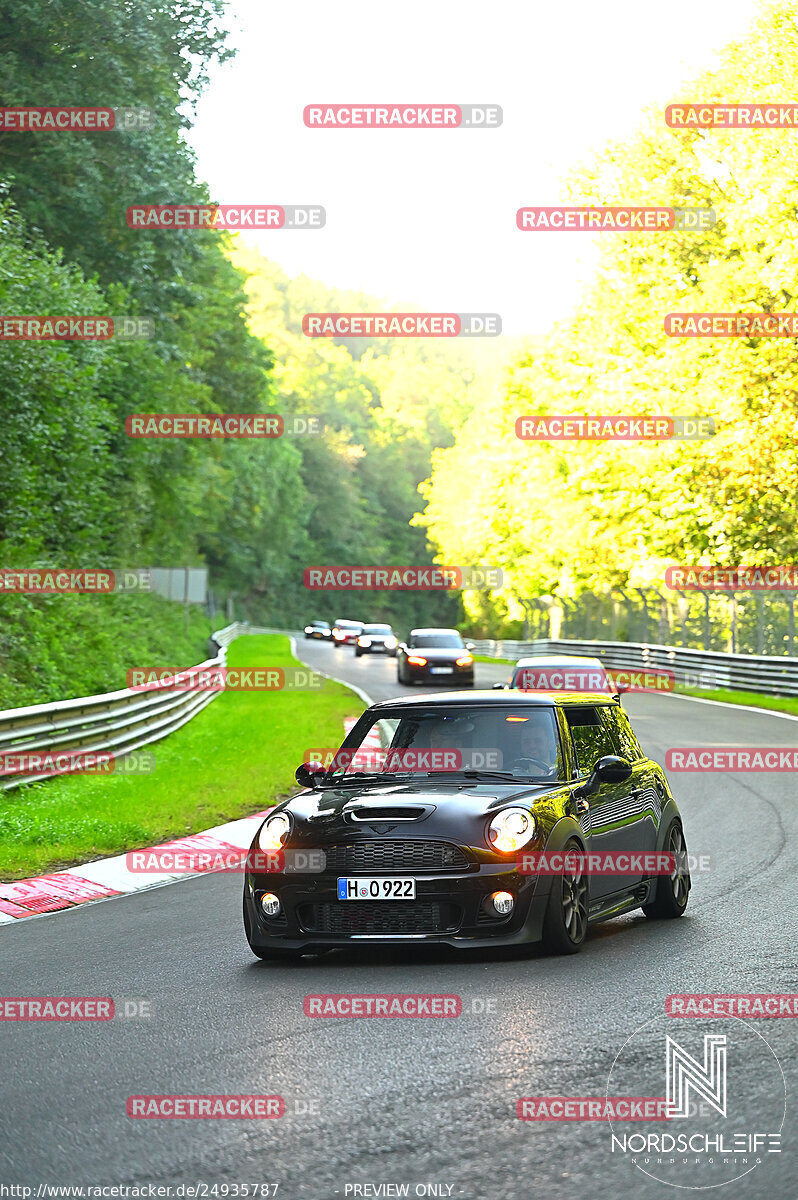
(359, 776)
(476, 774)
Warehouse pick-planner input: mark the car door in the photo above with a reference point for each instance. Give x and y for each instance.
(604, 816)
(645, 787)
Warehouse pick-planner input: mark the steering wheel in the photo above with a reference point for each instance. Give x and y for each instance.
(520, 764)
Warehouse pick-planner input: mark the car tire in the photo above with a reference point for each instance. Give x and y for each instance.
(565, 922)
(358, 653)
(672, 891)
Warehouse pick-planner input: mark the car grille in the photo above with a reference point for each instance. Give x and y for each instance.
(395, 854)
(381, 916)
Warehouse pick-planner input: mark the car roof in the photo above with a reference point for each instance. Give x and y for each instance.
(471, 699)
(346, 621)
(557, 660)
(456, 631)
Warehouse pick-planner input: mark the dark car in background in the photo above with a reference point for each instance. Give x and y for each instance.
(319, 629)
(435, 655)
(377, 639)
(383, 848)
(346, 633)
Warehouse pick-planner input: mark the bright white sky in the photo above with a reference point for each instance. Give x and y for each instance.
(428, 216)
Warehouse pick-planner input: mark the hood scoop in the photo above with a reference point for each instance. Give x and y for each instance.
(384, 812)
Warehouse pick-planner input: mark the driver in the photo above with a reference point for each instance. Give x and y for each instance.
(536, 741)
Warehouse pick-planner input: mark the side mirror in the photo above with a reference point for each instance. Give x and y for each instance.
(609, 769)
(469, 645)
(309, 774)
(402, 646)
(499, 686)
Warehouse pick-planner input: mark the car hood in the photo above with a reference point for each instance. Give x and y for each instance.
(413, 809)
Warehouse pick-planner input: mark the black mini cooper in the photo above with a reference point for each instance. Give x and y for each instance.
(470, 820)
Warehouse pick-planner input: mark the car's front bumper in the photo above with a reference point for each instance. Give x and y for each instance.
(449, 910)
(432, 673)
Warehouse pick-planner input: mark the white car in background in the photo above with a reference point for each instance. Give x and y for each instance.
(560, 673)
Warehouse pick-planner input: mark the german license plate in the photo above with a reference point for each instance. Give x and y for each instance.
(441, 670)
(384, 887)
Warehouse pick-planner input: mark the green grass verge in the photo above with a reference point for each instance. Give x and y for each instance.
(485, 658)
(236, 757)
(786, 704)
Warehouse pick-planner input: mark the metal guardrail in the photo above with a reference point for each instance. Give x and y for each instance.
(119, 722)
(703, 669)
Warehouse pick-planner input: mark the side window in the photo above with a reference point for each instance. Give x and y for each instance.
(590, 736)
(622, 734)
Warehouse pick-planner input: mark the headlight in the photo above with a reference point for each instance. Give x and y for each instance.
(465, 661)
(274, 831)
(391, 643)
(416, 660)
(510, 830)
(364, 641)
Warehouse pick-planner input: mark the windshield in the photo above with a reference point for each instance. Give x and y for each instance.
(348, 624)
(493, 741)
(320, 624)
(437, 641)
(376, 629)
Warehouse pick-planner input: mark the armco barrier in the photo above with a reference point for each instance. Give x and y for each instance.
(118, 722)
(707, 669)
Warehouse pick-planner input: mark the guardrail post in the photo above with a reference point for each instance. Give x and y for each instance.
(760, 623)
(790, 599)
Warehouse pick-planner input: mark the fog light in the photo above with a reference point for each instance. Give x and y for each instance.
(271, 905)
(503, 902)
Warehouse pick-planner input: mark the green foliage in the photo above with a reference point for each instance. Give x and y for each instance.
(574, 516)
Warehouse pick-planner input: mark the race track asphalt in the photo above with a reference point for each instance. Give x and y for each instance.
(403, 1101)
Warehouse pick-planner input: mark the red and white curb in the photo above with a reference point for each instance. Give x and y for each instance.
(109, 877)
(112, 877)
